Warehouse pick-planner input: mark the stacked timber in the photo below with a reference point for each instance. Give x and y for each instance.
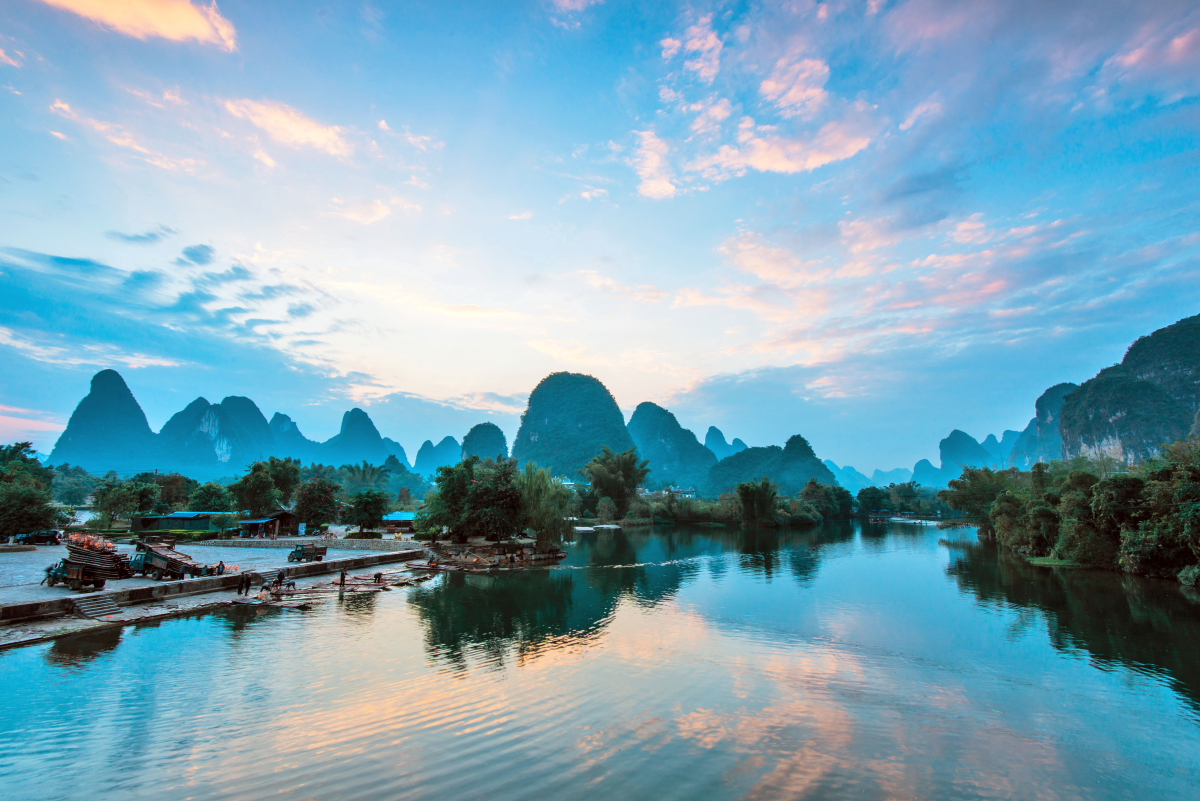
(98, 555)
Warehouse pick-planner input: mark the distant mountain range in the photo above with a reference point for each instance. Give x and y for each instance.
(1127, 411)
(109, 431)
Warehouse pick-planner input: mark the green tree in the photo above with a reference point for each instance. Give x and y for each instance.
(606, 510)
(446, 508)
(113, 499)
(19, 464)
(817, 495)
(495, 508)
(255, 492)
(364, 476)
(758, 499)
(547, 502)
(210, 497)
(285, 473)
(24, 508)
(974, 493)
(367, 509)
(872, 499)
(173, 489)
(317, 501)
(617, 476)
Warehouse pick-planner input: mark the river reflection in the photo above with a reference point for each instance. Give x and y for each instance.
(1119, 621)
(682, 662)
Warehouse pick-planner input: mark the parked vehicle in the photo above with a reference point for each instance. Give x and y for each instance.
(308, 552)
(73, 575)
(47, 537)
(157, 558)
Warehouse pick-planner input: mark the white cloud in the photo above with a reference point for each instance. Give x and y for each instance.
(364, 213)
(383, 126)
(712, 114)
(702, 40)
(930, 106)
(264, 157)
(98, 355)
(651, 166)
(643, 294)
(5, 58)
(177, 20)
(288, 126)
(670, 47)
(797, 86)
(523, 215)
(121, 137)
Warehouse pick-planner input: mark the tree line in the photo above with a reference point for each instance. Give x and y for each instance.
(1144, 519)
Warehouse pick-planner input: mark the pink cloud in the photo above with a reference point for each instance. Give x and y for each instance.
(835, 141)
(702, 40)
(651, 165)
(176, 20)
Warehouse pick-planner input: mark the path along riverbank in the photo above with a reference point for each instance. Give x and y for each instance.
(23, 621)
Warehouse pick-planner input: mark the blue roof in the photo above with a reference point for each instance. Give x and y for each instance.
(264, 520)
(189, 515)
(401, 517)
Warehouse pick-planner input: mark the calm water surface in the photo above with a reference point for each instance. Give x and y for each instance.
(681, 663)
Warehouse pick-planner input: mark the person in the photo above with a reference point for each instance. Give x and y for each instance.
(243, 583)
(221, 568)
(342, 578)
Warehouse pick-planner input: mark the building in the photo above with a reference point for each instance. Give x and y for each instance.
(400, 522)
(176, 521)
(278, 524)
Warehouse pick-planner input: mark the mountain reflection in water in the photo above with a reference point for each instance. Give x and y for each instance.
(846, 661)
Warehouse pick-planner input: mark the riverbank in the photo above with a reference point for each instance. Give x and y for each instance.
(24, 622)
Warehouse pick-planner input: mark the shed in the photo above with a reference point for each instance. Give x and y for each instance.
(282, 523)
(400, 522)
(176, 521)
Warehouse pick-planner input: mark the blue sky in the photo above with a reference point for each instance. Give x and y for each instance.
(866, 222)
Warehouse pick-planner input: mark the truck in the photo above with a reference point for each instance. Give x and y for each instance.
(308, 552)
(73, 575)
(157, 558)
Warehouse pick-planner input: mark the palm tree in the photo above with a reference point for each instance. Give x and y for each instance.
(365, 476)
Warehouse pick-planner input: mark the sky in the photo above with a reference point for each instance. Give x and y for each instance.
(868, 222)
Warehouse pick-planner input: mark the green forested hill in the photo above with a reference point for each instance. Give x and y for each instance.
(1118, 414)
(676, 457)
(570, 417)
(790, 467)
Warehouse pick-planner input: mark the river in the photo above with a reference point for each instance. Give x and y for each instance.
(845, 662)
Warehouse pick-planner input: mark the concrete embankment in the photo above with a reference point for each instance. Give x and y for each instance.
(65, 604)
(292, 542)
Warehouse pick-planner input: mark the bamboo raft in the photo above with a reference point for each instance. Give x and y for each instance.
(271, 604)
